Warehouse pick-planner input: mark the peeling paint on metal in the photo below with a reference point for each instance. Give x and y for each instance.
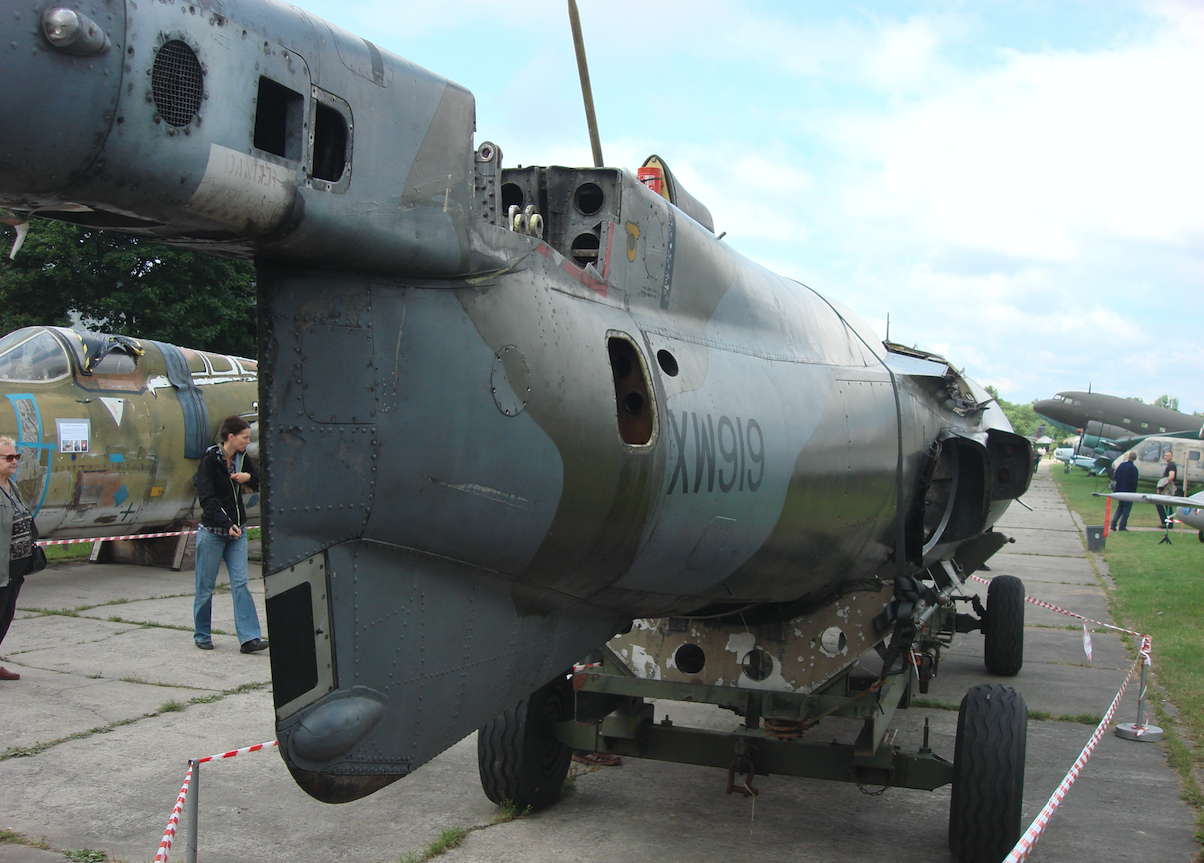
(492, 494)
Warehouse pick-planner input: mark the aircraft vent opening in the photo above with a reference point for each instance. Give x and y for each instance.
(512, 196)
(177, 83)
(758, 664)
(584, 249)
(278, 120)
(330, 144)
(690, 659)
(668, 363)
(955, 502)
(633, 409)
(588, 198)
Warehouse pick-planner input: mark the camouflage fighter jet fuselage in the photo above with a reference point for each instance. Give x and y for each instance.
(110, 428)
(504, 411)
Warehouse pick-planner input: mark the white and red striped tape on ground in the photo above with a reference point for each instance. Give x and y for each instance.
(45, 542)
(234, 752)
(170, 833)
(1044, 604)
(1025, 846)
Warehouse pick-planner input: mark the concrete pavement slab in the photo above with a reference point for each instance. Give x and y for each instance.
(1056, 543)
(1040, 568)
(1042, 519)
(54, 705)
(144, 654)
(84, 585)
(1084, 599)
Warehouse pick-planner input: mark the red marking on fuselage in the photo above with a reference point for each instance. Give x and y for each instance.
(578, 273)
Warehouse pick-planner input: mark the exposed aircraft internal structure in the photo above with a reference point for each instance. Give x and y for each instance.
(506, 412)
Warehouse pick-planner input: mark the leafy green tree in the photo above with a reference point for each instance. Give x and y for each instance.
(128, 286)
(1024, 419)
(1168, 402)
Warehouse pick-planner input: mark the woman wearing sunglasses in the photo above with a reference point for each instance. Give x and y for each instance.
(16, 541)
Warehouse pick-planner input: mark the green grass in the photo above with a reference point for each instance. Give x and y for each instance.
(450, 838)
(1077, 487)
(55, 553)
(1159, 591)
(12, 837)
(86, 855)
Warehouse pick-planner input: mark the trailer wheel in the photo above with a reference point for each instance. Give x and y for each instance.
(520, 760)
(1003, 647)
(988, 774)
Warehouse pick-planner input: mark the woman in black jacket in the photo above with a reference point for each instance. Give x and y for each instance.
(223, 471)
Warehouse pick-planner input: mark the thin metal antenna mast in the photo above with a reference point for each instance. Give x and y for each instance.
(586, 92)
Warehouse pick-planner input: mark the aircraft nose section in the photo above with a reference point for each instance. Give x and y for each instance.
(61, 69)
(1050, 409)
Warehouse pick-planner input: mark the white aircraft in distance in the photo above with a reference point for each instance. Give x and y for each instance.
(1189, 510)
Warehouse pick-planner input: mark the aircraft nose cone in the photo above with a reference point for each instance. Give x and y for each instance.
(57, 105)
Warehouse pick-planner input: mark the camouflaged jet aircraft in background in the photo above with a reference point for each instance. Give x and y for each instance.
(109, 428)
(509, 414)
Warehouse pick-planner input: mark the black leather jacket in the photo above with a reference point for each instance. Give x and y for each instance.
(220, 496)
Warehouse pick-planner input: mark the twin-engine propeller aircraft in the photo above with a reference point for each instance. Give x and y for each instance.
(506, 412)
(109, 428)
(1109, 425)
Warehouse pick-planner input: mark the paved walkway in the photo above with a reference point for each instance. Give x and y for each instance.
(101, 679)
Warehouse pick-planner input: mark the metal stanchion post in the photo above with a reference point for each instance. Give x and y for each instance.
(1139, 730)
(194, 793)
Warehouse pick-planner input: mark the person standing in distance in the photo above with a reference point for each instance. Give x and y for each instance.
(1126, 480)
(1167, 485)
(223, 471)
(16, 541)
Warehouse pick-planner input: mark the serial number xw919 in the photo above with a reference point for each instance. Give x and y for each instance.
(728, 454)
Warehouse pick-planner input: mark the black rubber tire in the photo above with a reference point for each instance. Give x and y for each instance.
(1003, 645)
(1200, 534)
(988, 774)
(520, 760)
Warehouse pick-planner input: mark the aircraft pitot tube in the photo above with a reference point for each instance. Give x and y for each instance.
(488, 450)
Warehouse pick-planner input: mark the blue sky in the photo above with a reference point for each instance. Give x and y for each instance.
(1019, 186)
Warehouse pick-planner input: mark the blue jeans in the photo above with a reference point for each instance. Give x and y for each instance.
(211, 550)
(1121, 517)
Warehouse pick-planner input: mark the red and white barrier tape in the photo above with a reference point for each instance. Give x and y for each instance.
(234, 752)
(170, 833)
(45, 542)
(1044, 604)
(1025, 846)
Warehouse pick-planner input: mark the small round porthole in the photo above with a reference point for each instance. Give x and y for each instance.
(667, 362)
(758, 664)
(689, 659)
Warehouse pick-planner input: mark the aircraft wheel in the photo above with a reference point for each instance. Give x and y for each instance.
(1003, 646)
(988, 774)
(520, 760)
(1200, 534)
